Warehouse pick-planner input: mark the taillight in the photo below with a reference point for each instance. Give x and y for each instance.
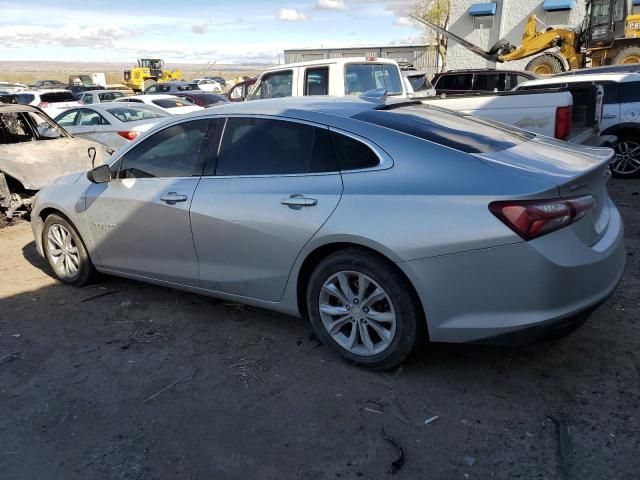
(563, 122)
(533, 218)
(43, 104)
(128, 135)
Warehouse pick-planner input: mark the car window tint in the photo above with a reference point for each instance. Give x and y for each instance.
(171, 103)
(353, 154)
(316, 81)
(489, 82)
(162, 88)
(171, 152)
(45, 128)
(275, 85)
(236, 92)
(461, 132)
(454, 82)
(67, 119)
(57, 97)
(254, 146)
(629, 92)
(25, 98)
(110, 96)
(363, 77)
(87, 99)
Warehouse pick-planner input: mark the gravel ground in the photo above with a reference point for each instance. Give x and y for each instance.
(124, 380)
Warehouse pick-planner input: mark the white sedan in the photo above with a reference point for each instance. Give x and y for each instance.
(169, 103)
(208, 85)
(112, 124)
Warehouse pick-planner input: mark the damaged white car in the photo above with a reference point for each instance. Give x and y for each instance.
(34, 152)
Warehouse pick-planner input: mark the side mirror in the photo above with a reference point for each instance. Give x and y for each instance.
(101, 174)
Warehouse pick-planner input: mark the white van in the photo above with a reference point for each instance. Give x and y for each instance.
(337, 77)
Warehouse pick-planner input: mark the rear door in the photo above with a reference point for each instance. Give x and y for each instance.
(139, 221)
(273, 186)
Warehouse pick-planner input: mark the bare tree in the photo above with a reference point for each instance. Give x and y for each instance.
(438, 12)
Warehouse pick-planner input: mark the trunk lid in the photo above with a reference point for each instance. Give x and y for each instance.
(575, 170)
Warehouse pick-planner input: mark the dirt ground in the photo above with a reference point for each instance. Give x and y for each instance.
(122, 380)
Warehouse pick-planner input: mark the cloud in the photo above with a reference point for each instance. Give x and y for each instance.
(200, 29)
(330, 5)
(291, 15)
(66, 35)
(404, 22)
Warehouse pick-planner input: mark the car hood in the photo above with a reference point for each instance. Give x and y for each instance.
(38, 164)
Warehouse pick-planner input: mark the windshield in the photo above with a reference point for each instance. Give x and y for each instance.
(363, 77)
(462, 132)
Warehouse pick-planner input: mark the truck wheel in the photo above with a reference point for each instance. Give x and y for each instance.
(627, 56)
(148, 83)
(627, 163)
(545, 65)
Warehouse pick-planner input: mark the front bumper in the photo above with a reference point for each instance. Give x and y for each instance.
(496, 292)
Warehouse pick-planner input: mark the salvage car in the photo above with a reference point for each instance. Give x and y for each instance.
(386, 223)
(112, 124)
(52, 102)
(171, 87)
(34, 151)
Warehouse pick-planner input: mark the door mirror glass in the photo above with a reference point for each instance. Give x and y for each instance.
(101, 174)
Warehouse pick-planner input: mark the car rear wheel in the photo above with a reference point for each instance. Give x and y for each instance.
(627, 162)
(364, 309)
(65, 252)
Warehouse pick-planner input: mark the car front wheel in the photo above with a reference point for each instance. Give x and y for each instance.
(364, 309)
(65, 252)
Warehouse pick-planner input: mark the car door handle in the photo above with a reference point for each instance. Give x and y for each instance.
(172, 198)
(609, 116)
(298, 201)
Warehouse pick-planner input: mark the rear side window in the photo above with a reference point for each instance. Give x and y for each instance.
(454, 82)
(316, 81)
(57, 97)
(172, 152)
(450, 129)
(256, 146)
(489, 82)
(353, 154)
(629, 92)
(363, 77)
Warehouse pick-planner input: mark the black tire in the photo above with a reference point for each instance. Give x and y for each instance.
(545, 65)
(627, 154)
(148, 83)
(627, 56)
(85, 268)
(410, 325)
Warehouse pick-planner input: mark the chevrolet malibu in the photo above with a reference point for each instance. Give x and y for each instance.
(386, 224)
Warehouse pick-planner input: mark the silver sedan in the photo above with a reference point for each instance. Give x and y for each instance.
(112, 124)
(386, 224)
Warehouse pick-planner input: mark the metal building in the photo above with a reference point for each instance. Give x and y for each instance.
(421, 57)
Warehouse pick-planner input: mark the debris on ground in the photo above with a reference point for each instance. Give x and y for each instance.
(99, 295)
(9, 357)
(431, 419)
(469, 460)
(398, 463)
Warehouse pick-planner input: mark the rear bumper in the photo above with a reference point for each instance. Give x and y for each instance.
(525, 287)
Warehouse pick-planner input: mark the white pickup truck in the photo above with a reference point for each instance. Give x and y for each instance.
(572, 115)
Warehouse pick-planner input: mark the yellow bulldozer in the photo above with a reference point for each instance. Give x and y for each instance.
(609, 34)
(148, 72)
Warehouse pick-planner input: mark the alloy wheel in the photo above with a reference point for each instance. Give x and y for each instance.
(358, 313)
(62, 251)
(627, 158)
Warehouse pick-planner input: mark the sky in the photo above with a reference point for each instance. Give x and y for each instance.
(195, 31)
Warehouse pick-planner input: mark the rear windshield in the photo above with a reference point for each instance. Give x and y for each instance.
(363, 77)
(450, 129)
(110, 96)
(171, 103)
(57, 97)
(129, 114)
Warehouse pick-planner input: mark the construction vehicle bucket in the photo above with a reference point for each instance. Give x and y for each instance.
(491, 56)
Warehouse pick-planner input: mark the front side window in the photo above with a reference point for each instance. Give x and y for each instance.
(274, 85)
(236, 92)
(257, 146)
(363, 77)
(68, 119)
(87, 99)
(172, 152)
(14, 128)
(455, 82)
(629, 92)
(46, 129)
(316, 81)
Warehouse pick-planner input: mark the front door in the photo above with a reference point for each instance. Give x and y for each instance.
(276, 182)
(139, 221)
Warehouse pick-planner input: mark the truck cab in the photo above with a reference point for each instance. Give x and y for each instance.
(336, 77)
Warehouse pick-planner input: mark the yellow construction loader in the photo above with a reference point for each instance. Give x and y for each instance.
(148, 72)
(609, 34)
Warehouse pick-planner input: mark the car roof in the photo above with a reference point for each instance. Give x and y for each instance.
(485, 70)
(149, 97)
(294, 106)
(600, 77)
(331, 61)
(101, 91)
(51, 90)
(17, 108)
